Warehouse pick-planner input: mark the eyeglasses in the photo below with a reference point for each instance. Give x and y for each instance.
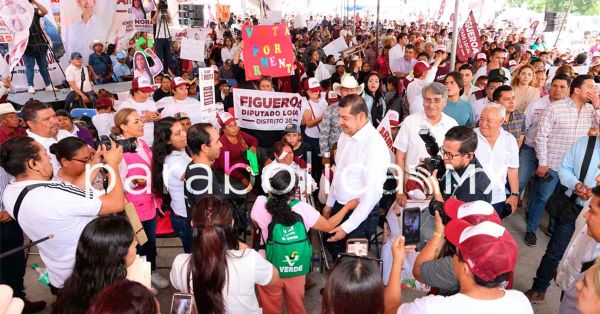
(449, 155)
(84, 161)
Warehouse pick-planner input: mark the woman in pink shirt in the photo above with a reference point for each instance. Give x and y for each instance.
(128, 124)
(277, 205)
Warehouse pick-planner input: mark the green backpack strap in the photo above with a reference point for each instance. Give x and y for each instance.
(292, 202)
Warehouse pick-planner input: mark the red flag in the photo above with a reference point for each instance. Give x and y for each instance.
(468, 39)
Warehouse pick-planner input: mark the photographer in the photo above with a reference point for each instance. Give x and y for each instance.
(56, 208)
(37, 49)
(162, 35)
(463, 169)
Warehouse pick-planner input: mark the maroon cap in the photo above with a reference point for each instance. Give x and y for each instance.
(487, 248)
(473, 212)
(143, 84)
(104, 102)
(420, 68)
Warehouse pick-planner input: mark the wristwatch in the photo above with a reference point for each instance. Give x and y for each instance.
(515, 194)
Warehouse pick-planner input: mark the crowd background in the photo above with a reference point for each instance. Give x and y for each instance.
(538, 104)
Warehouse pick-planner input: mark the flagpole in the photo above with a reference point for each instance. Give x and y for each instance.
(454, 36)
(377, 32)
(563, 23)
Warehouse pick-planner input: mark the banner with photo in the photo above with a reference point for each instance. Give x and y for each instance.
(267, 51)
(110, 21)
(50, 28)
(262, 110)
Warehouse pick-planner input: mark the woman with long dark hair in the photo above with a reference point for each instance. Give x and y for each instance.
(373, 97)
(276, 208)
(170, 158)
(73, 154)
(313, 62)
(125, 297)
(106, 248)
(221, 272)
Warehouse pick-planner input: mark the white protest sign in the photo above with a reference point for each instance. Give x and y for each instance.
(206, 85)
(272, 17)
(143, 25)
(324, 71)
(192, 49)
(261, 110)
(396, 54)
(335, 47)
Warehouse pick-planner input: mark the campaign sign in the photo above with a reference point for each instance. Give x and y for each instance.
(267, 51)
(261, 110)
(468, 39)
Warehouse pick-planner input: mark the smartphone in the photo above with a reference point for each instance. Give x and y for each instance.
(182, 303)
(411, 225)
(358, 246)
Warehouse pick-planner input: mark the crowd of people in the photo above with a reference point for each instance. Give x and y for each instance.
(514, 117)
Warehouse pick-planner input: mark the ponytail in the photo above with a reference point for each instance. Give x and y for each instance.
(278, 204)
(213, 235)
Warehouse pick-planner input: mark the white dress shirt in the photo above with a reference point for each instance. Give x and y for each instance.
(496, 161)
(533, 114)
(174, 167)
(362, 161)
(47, 142)
(190, 106)
(409, 141)
(414, 91)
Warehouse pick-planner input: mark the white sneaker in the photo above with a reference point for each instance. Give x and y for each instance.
(50, 88)
(159, 281)
(31, 90)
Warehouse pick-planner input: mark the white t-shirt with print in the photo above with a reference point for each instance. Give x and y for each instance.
(142, 109)
(245, 269)
(513, 302)
(318, 110)
(60, 209)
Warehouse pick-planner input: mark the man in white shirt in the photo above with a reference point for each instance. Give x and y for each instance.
(486, 255)
(559, 89)
(140, 100)
(466, 72)
(362, 161)
(410, 148)
(81, 33)
(479, 104)
(406, 63)
(180, 102)
(498, 56)
(498, 153)
(423, 75)
(75, 76)
(54, 208)
(397, 52)
(43, 127)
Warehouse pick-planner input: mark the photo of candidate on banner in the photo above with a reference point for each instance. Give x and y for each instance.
(141, 67)
(83, 21)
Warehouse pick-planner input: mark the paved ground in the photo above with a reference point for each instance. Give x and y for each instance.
(529, 259)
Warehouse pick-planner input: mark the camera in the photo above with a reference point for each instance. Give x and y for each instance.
(437, 206)
(435, 161)
(162, 5)
(129, 145)
(506, 211)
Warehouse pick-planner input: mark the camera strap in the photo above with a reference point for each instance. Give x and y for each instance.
(21, 196)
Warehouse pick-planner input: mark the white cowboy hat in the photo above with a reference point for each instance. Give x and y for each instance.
(96, 42)
(348, 81)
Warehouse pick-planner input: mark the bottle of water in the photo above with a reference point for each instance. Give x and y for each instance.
(42, 274)
(316, 264)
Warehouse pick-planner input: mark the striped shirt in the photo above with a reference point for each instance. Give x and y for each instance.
(515, 124)
(560, 126)
(330, 128)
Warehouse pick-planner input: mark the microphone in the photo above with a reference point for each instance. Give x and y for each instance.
(26, 246)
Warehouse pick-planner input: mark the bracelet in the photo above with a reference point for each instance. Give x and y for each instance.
(437, 234)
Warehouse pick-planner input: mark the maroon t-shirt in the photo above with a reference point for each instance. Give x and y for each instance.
(441, 73)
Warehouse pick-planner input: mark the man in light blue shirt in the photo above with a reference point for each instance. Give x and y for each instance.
(121, 69)
(569, 173)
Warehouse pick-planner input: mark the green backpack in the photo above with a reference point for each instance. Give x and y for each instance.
(288, 248)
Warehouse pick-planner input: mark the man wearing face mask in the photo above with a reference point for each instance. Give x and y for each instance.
(465, 179)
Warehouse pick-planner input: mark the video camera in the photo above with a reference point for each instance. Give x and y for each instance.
(433, 149)
(129, 145)
(162, 5)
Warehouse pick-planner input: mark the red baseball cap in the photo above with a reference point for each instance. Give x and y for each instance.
(473, 212)
(143, 84)
(225, 118)
(312, 84)
(179, 81)
(420, 68)
(487, 248)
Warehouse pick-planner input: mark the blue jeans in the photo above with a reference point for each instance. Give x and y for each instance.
(540, 194)
(149, 248)
(563, 231)
(528, 163)
(30, 61)
(162, 46)
(183, 230)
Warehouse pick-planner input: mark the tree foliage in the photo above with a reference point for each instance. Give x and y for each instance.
(581, 7)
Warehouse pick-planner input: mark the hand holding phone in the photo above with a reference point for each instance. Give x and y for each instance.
(411, 225)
